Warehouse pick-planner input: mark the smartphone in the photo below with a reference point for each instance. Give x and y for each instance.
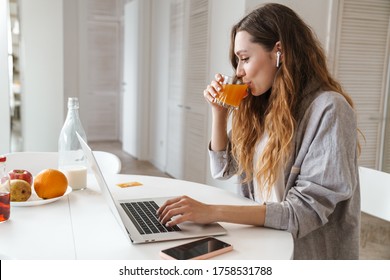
(197, 250)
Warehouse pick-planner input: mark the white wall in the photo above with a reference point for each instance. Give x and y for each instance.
(42, 81)
(314, 13)
(219, 62)
(71, 50)
(4, 80)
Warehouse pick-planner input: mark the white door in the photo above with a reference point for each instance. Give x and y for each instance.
(4, 80)
(176, 114)
(187, 111)
(100, 61)
(362, 66)
(130, 80)
(136, 80)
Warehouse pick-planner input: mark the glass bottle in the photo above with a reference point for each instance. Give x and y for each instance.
(71, 158)
(4, 191)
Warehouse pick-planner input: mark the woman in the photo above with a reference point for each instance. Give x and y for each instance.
(293, 141)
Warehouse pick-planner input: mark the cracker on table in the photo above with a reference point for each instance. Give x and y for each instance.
(129, 184)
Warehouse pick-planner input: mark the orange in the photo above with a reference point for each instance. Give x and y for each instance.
(50, 183)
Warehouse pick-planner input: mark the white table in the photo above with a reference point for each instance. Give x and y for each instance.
(81, 225)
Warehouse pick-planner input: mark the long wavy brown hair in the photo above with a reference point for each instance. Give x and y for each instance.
(274, 112)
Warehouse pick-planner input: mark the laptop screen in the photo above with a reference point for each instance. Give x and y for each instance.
(101, 181)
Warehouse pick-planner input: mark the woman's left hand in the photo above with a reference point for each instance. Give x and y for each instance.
(184, 209)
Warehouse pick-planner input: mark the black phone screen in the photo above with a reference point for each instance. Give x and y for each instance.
(196, 248)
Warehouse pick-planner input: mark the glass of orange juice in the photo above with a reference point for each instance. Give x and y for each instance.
(233, 91)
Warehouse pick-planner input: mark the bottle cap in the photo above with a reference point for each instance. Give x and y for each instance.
(73, 102)
(3, 158)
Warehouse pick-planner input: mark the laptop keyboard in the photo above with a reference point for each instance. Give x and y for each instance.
(144, 217)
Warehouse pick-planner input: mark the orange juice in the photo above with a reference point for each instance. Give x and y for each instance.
(232, 94)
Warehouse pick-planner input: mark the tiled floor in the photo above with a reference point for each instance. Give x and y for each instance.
(129, 164)
(375, 238)
(16, 136)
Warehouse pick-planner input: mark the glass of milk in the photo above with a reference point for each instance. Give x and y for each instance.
(76, 175)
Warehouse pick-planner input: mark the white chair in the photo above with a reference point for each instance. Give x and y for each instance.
(37, 161)
(108, 162)
(375, 192)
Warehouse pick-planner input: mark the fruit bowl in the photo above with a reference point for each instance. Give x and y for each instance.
(34, 200)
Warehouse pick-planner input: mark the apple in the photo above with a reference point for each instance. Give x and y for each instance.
(20, 190)
(21, 174)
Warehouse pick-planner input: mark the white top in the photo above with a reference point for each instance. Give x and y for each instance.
(277, 190)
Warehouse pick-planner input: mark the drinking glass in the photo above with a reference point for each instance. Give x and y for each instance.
(5, 188)
(232, 93)
(4, 205)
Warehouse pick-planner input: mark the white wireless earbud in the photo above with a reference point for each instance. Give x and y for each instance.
(278, 54)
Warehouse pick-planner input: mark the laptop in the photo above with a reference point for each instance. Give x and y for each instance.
(137, 217)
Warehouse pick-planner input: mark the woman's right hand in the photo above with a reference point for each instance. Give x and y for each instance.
(183, 209)
(212, 91)
(219, 115)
